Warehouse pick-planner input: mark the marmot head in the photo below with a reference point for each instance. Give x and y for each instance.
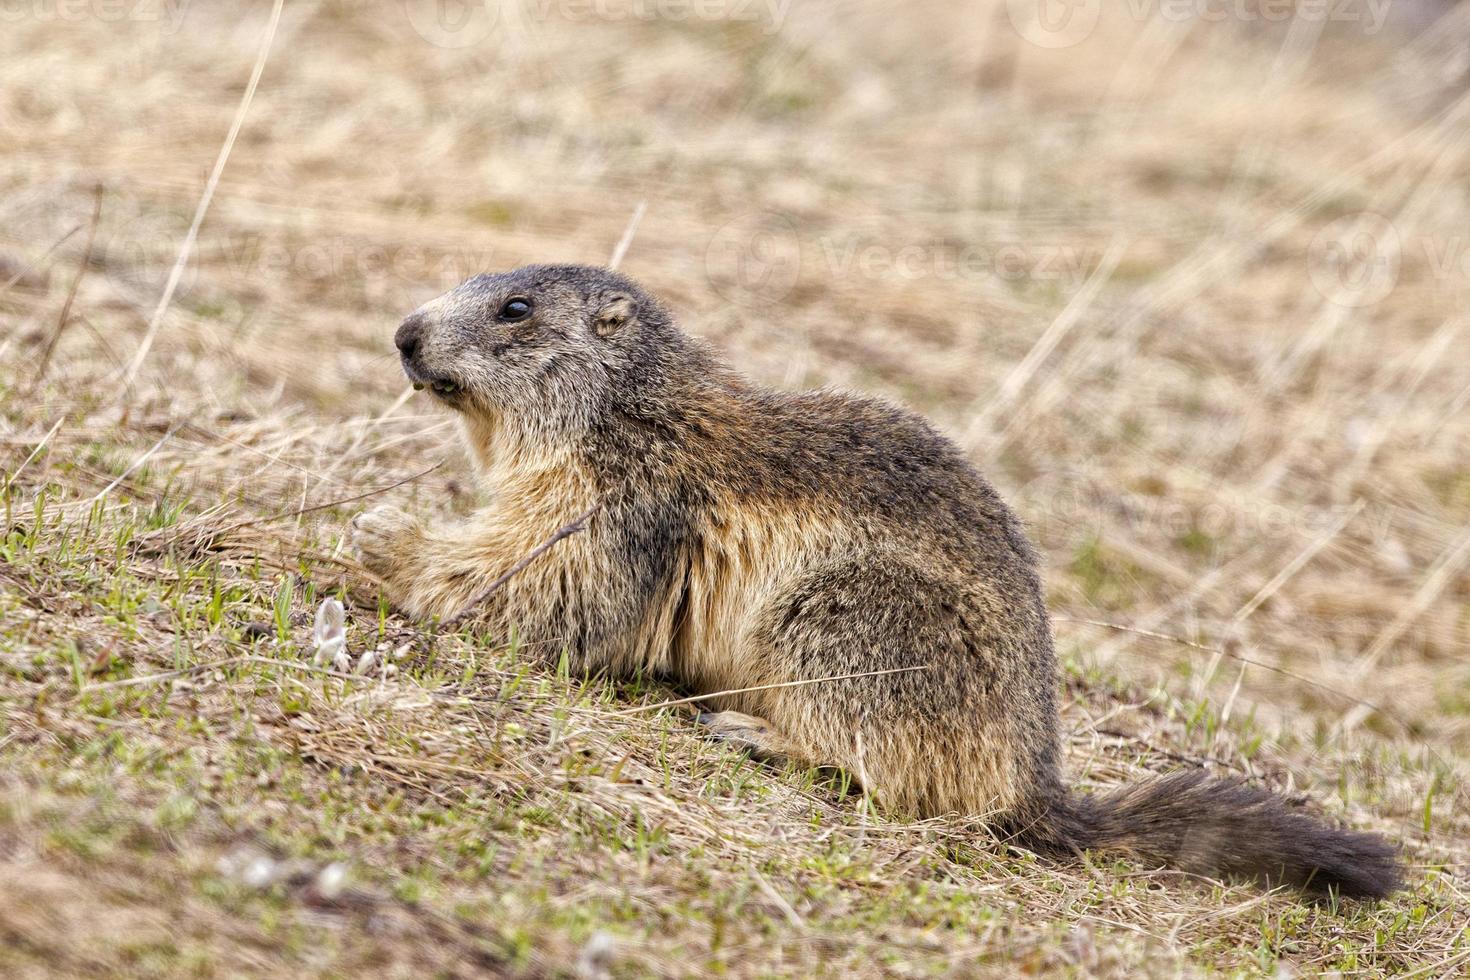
(545, 344)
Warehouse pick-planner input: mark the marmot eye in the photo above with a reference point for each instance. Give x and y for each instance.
(515, 309)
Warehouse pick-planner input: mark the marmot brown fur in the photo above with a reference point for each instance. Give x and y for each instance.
(750, 537)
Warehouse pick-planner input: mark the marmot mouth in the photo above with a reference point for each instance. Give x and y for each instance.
(440, 386)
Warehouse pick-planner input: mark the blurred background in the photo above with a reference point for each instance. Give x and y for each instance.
(1185, 278)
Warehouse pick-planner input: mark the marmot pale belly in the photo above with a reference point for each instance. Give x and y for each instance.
(750, 537)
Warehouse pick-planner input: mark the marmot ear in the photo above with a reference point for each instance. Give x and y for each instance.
(617, 310)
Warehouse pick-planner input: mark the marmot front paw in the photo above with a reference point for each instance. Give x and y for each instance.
(380, 535)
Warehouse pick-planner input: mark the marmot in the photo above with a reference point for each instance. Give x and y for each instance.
(750, 537)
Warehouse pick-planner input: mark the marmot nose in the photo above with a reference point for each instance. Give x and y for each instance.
(410, 332)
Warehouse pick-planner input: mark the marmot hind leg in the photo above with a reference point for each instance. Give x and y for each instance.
(755, 735)
(934, 694)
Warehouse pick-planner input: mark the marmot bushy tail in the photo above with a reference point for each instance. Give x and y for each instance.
(1219, 828)
(831, 557)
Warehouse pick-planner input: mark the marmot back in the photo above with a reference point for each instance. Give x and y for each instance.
(748, 538)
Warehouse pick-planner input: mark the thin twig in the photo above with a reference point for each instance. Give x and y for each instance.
(288, 514)
(460, 618)
(34, 453)
(161, 676)
(1120, 627)
(1441, 573)
(46, 255)
(71, 295)
(778, 899)
(228, 662)
(362, 436)
(627, 239)
(763, 687)
(135, 465)
(274, 460)
(1023, 372)
(1295, 565)
(187, 247)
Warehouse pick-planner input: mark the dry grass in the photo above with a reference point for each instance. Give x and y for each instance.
(1148, 357)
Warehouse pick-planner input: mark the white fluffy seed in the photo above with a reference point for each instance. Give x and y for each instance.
(328, 651)
(331, 881)
(329, 636)
(259, 873)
